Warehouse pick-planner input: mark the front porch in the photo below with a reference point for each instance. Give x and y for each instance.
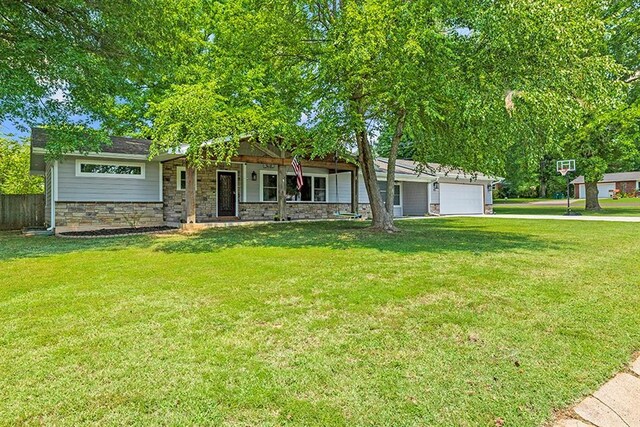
(258, 188)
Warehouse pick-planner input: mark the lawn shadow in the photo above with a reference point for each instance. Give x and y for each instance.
(434, 235)
(14, 245)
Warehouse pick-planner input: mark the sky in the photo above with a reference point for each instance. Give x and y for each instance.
(9, 130)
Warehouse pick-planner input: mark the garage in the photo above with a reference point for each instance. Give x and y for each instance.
(461, 199)
(605, 190)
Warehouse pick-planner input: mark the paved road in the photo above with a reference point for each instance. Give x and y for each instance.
(570, 218)
(617, 403)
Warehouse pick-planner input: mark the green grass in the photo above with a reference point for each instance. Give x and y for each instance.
(451, 322)
(516, 200)
(620, 207)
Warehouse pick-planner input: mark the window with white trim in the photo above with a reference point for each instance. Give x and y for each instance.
(396, 192)
(103, 168)
(181, 178)
(269, 187)
(319, 189)
(314, 188)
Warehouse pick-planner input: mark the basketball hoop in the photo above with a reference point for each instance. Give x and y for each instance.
(564, 167)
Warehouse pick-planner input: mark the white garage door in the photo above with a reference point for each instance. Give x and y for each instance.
(606, 190)
(603, 190)
(461, 199)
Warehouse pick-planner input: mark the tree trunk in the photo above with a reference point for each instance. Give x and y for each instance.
(282, 193)
(381, 219)
(391, 165)
(542, 190)
(592, 203)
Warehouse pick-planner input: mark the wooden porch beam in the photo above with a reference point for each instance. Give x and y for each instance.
(287, 161)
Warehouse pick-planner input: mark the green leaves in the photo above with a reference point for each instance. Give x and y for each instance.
(72, 61)
(14, 170)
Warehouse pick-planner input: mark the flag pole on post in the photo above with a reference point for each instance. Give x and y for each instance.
(297, 168)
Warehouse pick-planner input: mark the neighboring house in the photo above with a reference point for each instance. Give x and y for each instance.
(623, 182)
(122, 187)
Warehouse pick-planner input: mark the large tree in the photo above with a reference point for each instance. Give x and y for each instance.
(333, 76)
(74, 64)
(610, 134)
(14, 169)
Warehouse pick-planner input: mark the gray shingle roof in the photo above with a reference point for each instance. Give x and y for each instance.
(613, 177)
(119, 144)
(409, 167)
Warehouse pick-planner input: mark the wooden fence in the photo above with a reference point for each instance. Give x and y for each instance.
(21, 210)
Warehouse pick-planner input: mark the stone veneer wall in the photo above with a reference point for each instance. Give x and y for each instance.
(108, 214)
(174, 199)
(488, 209)
(299, 210)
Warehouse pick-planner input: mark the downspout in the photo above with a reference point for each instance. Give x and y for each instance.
(54, 196)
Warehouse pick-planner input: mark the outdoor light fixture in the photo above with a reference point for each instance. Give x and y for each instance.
(254, 176)
(436, 186)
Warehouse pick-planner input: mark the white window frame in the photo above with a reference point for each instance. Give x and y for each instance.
(179, 171)
(313, 185)
(262, 174)
(80, 162)
(399, 184)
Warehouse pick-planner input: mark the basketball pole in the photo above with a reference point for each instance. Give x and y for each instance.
(568, 195)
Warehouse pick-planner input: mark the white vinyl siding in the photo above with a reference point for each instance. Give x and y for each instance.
(48, 193)
(343, 195)
(72, 188)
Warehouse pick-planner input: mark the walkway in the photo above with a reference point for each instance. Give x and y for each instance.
(570, 218)
(617, 403)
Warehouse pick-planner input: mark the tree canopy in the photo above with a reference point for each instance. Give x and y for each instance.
(460, 82)
(76, 65)
(465, 80)
(14, 169)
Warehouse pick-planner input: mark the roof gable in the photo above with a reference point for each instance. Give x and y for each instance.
(613, 177)
(405, 167)
(119, 144)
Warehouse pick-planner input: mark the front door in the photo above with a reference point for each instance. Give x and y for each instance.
(227, 194)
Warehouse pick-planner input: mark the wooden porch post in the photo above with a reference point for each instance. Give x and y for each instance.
(190, 196)
(282, 193)
(354, 191)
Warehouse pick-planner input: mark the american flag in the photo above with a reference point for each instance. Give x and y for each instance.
(297, 168)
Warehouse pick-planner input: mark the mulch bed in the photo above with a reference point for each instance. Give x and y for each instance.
(110, 232)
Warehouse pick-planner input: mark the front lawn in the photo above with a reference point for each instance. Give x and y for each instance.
(457, 321)
(620, 207)
(516, 200)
